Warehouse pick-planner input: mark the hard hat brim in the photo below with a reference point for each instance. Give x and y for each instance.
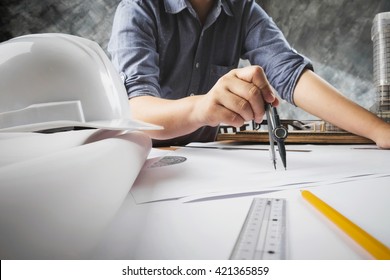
(116, 124)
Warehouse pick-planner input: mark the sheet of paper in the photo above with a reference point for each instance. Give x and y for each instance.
(210, 171)
(179, 229)
(58, 192)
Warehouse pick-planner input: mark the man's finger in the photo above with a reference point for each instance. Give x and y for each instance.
(256, 76)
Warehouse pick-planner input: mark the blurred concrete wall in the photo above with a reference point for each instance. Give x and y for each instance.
(91, 19)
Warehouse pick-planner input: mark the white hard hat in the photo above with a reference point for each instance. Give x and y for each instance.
(50, 81)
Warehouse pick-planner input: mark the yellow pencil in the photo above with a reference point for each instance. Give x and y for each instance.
(368, 242)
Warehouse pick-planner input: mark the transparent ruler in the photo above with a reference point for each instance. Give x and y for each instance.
(262, 235)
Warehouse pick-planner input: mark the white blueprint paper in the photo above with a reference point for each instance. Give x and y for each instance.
(209, 171)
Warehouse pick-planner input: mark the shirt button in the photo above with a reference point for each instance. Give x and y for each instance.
(123, 76)
(197, 65)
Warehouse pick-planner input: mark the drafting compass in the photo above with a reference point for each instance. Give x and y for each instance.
(277, 133)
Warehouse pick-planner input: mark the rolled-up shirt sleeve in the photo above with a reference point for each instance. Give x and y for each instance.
(132, 47)
(266, 46)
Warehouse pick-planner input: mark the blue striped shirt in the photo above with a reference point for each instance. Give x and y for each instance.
(161, 49)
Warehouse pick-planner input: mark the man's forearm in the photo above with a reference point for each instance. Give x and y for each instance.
(237, 97)
(174, 115)
(317, 97)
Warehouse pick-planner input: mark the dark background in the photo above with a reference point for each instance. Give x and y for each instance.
(335, 34)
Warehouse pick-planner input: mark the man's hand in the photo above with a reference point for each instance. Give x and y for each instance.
(237, 97)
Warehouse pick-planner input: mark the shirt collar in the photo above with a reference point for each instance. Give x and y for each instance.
(226, 7)
(176, 6)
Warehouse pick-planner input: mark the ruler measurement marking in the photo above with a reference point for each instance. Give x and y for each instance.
(262, 235)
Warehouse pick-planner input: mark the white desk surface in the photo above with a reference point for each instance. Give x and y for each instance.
(208, 229)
